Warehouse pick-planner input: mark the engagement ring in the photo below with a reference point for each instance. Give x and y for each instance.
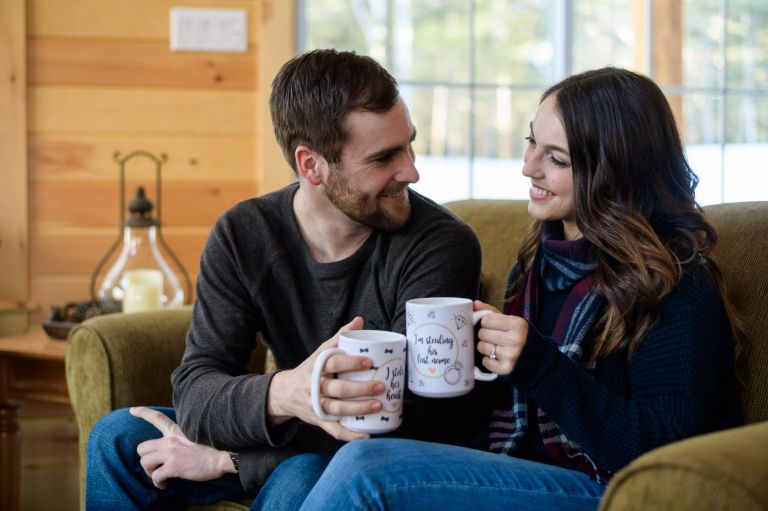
(492, 356)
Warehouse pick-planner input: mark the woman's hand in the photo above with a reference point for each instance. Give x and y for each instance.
(501, 339)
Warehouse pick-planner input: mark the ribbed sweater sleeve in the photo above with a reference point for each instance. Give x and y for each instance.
(219, 403)
(676, 385)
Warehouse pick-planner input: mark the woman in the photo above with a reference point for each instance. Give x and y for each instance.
(616, 338)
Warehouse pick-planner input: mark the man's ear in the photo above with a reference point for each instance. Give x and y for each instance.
(309, 164)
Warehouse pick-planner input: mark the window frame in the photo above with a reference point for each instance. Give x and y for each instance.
(652, 13)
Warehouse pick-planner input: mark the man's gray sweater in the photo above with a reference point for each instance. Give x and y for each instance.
(257, 276)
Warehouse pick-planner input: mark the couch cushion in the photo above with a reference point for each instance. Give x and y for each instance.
(501, 226)
(742, 254)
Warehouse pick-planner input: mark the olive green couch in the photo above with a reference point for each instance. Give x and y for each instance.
(118, 360)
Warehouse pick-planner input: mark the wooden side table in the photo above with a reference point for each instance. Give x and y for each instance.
(31, 367)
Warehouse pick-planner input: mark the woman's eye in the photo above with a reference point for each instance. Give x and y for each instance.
(530, 139)
(556, 162)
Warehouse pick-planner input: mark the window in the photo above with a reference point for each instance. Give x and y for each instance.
(472, 72)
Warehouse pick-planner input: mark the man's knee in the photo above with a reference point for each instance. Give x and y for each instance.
(109, 428)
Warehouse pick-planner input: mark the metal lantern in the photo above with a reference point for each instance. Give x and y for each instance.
(140, 278)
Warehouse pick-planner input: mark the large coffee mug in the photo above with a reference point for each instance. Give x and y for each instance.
(387, 351)
(441, 346)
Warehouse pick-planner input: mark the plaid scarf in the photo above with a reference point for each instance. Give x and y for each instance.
(559, 265)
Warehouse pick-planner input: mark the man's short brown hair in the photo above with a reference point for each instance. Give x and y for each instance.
(313, 93)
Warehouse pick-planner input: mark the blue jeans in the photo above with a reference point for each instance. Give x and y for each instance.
(406, 474)
(115, 480)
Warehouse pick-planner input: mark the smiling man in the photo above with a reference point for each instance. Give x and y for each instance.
(366, 191)
(342, 248)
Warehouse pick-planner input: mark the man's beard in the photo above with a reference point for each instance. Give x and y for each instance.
(362, 208)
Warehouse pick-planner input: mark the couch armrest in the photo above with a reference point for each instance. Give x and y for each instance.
(719, 471)
(120, 360)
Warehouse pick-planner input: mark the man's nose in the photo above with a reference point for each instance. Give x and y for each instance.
(408, 173)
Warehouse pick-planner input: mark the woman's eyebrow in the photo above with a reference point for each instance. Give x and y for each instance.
(551, 147)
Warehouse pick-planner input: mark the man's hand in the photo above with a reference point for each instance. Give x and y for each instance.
(175, 455)
(289, 392)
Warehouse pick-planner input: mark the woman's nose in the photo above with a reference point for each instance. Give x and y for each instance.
(530, 165)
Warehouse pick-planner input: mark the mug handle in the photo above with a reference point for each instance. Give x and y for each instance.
(317, 372)
(479, 375)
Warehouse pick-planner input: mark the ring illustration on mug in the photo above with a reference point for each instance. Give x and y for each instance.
(452, 374)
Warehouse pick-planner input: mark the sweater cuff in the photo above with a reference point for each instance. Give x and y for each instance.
(538, 354)
(257, 463)
(277, 436)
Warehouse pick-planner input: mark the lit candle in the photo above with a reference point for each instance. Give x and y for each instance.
(143, 290)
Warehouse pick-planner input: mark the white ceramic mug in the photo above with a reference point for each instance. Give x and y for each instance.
(441, 346)
(387, 351)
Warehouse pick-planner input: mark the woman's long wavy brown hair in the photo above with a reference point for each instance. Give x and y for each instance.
(633, 200)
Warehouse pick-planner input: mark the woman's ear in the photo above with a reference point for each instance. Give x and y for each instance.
(309, 165)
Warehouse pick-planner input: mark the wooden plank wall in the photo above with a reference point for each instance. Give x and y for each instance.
(278, 34)
(101, 78)
(666, 59)
(14, 246)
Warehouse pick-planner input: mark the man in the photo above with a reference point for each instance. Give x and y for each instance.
(346, 246)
